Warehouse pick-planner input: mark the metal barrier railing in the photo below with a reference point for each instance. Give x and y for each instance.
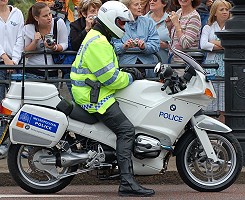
(66, 66)
(23, 66)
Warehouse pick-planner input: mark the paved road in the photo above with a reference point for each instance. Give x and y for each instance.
(170, 177)
(163, 192)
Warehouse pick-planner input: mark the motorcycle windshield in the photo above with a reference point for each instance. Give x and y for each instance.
(189, 60)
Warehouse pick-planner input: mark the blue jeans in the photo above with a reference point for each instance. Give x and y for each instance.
(3, 76)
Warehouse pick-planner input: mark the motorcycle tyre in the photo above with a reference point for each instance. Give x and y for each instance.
(27, 186)
(200, 187)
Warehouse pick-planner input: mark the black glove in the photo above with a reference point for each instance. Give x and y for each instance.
(136, 74)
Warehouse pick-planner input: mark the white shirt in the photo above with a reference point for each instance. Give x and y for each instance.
(208, 34)
(62, 39)
(11, 41)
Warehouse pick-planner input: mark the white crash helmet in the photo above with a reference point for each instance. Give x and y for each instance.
(113, 15)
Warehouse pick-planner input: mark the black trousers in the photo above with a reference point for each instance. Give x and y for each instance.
(114, 119)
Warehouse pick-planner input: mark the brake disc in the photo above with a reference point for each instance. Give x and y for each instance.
(212, 169)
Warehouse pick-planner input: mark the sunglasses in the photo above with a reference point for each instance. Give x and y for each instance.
(153, 1)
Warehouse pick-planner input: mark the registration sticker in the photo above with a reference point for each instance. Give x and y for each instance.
(38, 122)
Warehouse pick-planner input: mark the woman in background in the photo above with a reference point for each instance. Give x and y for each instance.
(11, 47)
(184, 27)
(65, 8)
(158, 13)
(87, 10)
(39, 24)
(219, 14)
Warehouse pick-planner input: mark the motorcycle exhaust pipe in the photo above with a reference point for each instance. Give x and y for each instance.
(65, 160)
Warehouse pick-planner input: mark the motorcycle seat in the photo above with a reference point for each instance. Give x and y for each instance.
(76, 112)
(79, 114)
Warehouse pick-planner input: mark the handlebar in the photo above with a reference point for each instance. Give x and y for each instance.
(166, 84)
(173, 81)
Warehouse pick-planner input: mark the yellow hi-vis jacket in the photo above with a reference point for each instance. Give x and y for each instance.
(97, 61)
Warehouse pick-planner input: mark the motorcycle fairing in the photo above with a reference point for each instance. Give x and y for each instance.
(210, 124)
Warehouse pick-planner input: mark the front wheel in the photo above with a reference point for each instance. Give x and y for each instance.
(31, 175)
(201, 173)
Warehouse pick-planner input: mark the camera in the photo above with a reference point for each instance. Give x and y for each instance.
(58, 5)
(135, 42)
(93, 17)
(49, 39)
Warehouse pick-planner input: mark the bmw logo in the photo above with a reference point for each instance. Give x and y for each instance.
(173, 107)
(27, 127)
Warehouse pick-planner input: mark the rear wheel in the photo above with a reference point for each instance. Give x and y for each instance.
(32, 176)
(201, 173)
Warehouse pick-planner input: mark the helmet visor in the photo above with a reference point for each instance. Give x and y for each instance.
(120, 23)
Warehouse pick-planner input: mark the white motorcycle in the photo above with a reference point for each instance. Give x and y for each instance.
(52, 140)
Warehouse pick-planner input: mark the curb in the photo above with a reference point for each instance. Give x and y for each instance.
(169, 178)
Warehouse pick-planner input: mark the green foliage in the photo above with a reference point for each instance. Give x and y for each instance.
(11, 2)
(71, 5)
(23, 5)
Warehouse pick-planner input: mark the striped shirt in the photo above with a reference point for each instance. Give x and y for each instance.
(191, 29)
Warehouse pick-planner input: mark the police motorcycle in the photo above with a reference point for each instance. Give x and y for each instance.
(52, 140)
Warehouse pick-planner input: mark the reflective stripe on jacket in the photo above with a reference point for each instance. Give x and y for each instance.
(97, 61)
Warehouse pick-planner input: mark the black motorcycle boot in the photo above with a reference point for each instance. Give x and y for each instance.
(128, 186)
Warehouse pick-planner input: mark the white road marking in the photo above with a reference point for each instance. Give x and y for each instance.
(43, 196)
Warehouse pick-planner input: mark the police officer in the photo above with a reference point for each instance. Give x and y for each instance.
(95, 77)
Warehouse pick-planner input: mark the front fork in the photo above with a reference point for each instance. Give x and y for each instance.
(204, 139)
